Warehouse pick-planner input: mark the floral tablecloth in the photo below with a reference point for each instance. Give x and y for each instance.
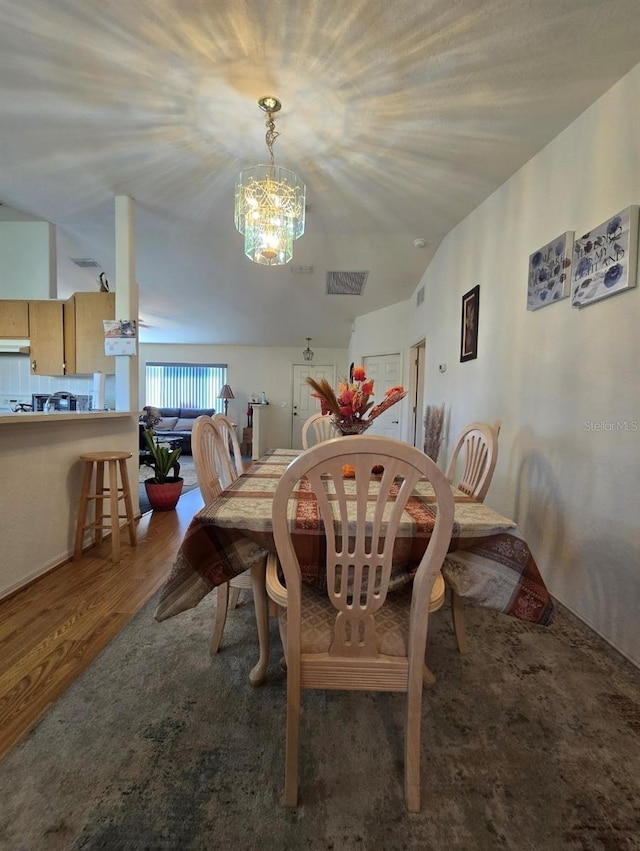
(488, 563)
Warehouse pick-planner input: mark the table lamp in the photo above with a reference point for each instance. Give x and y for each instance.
(226, 393)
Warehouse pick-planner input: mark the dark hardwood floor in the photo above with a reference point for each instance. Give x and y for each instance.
(51, 630)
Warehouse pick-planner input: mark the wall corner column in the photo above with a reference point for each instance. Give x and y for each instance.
(127, 301)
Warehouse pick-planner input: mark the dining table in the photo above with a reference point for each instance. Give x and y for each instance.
(488, 564)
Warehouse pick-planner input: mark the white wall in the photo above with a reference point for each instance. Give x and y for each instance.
(547, 374)
(251, 369)
(27, 259)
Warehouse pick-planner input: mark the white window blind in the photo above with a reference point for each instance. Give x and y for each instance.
(184, 385)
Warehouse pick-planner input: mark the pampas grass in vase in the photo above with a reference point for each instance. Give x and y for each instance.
(433, 422)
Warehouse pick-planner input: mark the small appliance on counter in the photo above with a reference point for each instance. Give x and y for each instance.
(60, 401)
(15, 403)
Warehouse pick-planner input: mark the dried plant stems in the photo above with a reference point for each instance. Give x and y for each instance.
(326, 392)
(433, 421)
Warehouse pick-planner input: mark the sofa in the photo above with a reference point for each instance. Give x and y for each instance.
(178, 422)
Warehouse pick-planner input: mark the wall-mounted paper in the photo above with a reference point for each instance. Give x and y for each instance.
(119, 336)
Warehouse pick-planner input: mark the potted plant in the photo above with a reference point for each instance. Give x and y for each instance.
(163, 490)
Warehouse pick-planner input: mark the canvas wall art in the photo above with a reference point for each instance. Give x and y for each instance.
(550, 272)
(605, 259)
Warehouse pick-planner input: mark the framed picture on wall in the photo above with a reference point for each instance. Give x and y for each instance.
(550, 272)
(469, 331)
(605, 259)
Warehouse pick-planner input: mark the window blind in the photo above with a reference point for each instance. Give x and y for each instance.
(184, 385)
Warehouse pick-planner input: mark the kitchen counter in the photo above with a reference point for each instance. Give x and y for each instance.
(26, 417)
(42, 480)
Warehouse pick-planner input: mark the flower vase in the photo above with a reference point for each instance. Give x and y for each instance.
(350, 426)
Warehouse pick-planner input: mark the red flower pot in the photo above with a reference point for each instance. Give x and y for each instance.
(164, 497)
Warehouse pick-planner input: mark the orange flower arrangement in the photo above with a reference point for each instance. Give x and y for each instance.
(353, 401)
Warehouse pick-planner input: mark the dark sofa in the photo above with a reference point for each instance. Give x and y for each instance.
(178, 422)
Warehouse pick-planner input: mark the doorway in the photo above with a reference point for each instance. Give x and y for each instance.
(303, 403)
(386, 372)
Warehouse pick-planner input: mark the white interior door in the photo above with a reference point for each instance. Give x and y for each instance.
(386, 372)
(303, 403)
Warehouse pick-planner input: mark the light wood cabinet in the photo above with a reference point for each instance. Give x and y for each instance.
(84, 333)
(46, 334)
(67, 337)
(14, 318)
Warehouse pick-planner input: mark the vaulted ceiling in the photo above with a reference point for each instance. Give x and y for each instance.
(401, 116)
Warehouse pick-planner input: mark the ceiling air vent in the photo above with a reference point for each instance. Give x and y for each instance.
(85, 262)
(420, 296)
(346, 283)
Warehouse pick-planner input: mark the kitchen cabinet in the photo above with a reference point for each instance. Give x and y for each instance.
(46, 334)
(67, 337)
(84, 333)
(14, 318)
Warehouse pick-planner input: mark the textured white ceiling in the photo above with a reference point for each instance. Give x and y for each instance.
(400, 115)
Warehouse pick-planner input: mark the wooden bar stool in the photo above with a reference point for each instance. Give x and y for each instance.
(113, 493)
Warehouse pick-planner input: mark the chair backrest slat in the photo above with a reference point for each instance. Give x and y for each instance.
(479, 444)
(230, 457)
(204, 446)
(360, 528)
(320, 427)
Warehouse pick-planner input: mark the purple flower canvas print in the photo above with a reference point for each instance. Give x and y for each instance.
(550, 272)
(605, 259)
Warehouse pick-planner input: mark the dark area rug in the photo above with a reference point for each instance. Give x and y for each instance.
(530, 743)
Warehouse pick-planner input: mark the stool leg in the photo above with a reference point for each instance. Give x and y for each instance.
(128, 505)
(99, 503)
(82, 508)
(113, 504)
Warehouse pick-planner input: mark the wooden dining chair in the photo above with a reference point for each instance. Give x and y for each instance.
(478, 444)
(352, 635)
(478, 447)
(210, 447)
(230, 460)
(318, 426)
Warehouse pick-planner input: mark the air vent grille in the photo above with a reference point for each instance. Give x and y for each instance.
(85, 262)
(419, 296)
(346, 283)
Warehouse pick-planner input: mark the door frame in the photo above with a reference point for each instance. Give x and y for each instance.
(418, 360)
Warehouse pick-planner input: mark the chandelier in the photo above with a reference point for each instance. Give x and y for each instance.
(269, 203)
(307, 353)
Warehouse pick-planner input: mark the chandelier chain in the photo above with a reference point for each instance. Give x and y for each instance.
(271, 135)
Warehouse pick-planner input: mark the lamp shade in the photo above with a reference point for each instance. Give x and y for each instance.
(226, 393)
